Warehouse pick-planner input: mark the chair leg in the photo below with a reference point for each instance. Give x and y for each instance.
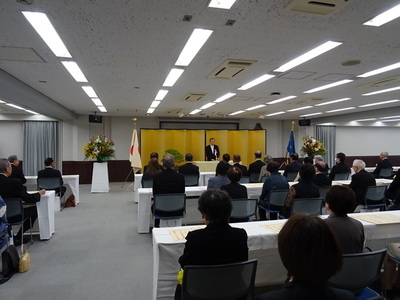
(30, 221)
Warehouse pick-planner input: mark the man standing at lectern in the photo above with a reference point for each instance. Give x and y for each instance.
(212, 150)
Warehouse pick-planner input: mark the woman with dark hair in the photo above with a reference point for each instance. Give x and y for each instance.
(340, 166)
(152, 168)
(234, 189)
(311, 254)
(339, 201)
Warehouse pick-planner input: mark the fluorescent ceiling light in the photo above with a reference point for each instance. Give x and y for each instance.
(382, 91)
(73, 68)
(97, 102)
(379, 103)
(42, 25)
(275, 113)
(255, 107)
(340, 109)
(15, 106)
(281, 99)
(384, 17)
(102, 108)
(173, 76)
(299, 108)
(327, 86)
(193, 45)
(380, 70)
(224, 97)
(329, 45)
(309, 115)
(333, 101)
(223, 4)
(155, 103)
(1, 101)
(256, 81)
(31, 112)
(207, 105)
(195, 112)
(90, 91)
(161, 94)
(365, 120)
(391, 117)
(392, 120)
(237, 112)
(150, 110)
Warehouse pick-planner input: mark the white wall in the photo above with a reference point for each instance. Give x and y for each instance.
(11, 135)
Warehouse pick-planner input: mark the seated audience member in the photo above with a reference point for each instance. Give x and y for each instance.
(306, 160)
(256, 166)
(320, 178)
(189, 168)
(304, 189)
(340, 166)
(153, 167)
(13, 188)
(360, 181)
(236, 163)
(311, 254)
(168, 181)
(319, 158)
(16, 169)
(393, 192)
(219, 180)
(223, 165)
(234, 189)
(293, 166)
(154, 156)
(384, 163)
(339, 201)
(263, 171)
(49, 171)
(218, 243)
(275, 181)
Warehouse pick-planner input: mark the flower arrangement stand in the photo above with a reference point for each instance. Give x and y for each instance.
(100, 182)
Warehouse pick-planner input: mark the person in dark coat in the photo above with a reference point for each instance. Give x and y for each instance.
(212, 150)
(16, 169)
(236, 163)
(256, 166)
(50, 171)
(223, 165)
(189, 168)
(293, 166)
(340, 166)
(361, 180)
(234, 189)
(384, 163)
(320, 178)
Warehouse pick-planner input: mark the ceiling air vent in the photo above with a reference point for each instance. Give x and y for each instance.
(323, 7)
(192, 97)
(383, 83)
(230, 69)
(310, 101)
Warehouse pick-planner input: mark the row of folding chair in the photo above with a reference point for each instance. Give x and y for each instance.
(190, 180)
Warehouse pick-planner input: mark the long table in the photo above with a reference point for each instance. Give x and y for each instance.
(144, 196)
(71, 180)
(262, 245)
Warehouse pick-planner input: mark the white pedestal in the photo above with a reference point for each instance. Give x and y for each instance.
(100, 178)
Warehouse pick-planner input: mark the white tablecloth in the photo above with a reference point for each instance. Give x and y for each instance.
(71, 180)
(45, 209)
(262, 245)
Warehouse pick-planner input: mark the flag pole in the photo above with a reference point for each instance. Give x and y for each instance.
(286, 155)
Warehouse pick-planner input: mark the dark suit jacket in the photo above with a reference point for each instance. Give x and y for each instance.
(168, 181)
(394, 187)
(222, 167)
(50, 172)
(13, 188)
(235, 190)
(218, 243)
(17, 173)
(242, 168)
(339, 168)
(292, 167)
(256, 166)
(321, 179)
(209, 154)
(189, 168)
(383, 164)
(359, 183)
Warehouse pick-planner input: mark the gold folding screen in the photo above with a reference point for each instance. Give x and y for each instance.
(243, 142)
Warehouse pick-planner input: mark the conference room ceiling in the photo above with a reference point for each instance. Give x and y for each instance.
(127, 48)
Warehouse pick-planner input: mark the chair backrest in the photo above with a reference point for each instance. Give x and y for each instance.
(263, 178)
(147, 183)
(191, 179)
(307, 205)
(375, 194)
(49, 183)
(385, 173)
(244, 179)
(277, 197)
(244, 208)
(169, 202)
(14, 207)
(219, 282)
(291, 176)
(254, 176)
(323, 190)
(341, 176)
(358, 270)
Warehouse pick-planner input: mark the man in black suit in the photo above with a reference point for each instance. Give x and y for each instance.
(236, 163)
(212, 150)
(361, 180)
(340, 166)
(256, 166)
(189, 167)
(49, 171)
(168, 182)
(223, 165)
(293, 166)
(16, 169)
(320, 178)
(384, 163)
(13, 188)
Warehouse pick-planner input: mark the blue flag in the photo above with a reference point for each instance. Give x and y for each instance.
(290, 147)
